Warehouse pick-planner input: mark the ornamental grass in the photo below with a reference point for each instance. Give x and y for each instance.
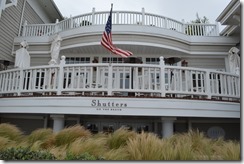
(11, 132)
(70, 134)
(145, 146)
(119, 138)
(77, 143)
(94, 146)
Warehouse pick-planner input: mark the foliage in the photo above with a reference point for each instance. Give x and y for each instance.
(5, 143)
(59, 152)
(119, 138)
(25, 154)
(76, 143)
(84, 156)
(117, 154)
(197, 29)
(10, 131)
(70, 134)
(40, 135)
(92, 146)
(200, 20)
(139, 149)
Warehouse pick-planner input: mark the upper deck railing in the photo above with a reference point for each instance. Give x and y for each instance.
(120, 18)
(108, 79)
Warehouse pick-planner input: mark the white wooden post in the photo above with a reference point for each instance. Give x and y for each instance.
(143, 16)
(183, 26)
(93, 16)
(117, 19)
(110, 79)
(61, 75)
(165, 22)
(56, 26)
(71, 22)
(21, 82)
(217, 28)
(207, 84)
(162, 76)
(24, 28)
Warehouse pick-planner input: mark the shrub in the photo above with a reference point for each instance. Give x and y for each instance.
(10, 131)
(5, 143)
(230, 150)
(117, 154)
(39, 135)
(59, 152)
(70, 134)
(25, 154)
(93, 146)
(84, 156)
(145, 146)
(119, 138)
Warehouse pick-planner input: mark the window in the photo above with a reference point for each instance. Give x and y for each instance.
(77, 60)
(112, 59)
(152, 60)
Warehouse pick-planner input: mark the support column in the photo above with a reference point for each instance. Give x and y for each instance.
(167, 126)
(155, 127)
(58, 122)
(189, 125)
(45, 119)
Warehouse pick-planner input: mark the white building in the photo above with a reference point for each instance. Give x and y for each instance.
(178, 79)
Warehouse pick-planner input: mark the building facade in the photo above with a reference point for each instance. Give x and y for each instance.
(178, 78)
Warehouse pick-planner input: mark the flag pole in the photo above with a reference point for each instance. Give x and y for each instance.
(111, 27)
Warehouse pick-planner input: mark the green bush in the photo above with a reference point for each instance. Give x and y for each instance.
(84, 157)
(25, 154)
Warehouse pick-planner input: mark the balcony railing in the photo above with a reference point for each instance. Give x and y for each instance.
(110, 79)
(120, 18)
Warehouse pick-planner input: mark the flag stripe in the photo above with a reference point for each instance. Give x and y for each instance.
(107, 40)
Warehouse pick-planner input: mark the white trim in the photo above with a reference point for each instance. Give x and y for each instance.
(133, 107)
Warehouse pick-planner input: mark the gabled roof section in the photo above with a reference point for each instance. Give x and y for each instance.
(51, 8)
(231, 16)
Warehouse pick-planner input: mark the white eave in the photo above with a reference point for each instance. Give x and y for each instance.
(231, 10)
(50, 9)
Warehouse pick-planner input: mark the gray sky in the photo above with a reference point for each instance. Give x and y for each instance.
(175, 9)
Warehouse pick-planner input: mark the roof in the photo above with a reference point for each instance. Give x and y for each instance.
(230, 13)
(51, 9)
(230, 16)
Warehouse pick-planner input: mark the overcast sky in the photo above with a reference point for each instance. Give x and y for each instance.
(175, 9)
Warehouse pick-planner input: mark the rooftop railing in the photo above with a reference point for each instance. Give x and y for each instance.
(110, 79)
(120, 18)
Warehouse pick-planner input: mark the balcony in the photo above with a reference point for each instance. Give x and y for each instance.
(120, 18)
(120, 80)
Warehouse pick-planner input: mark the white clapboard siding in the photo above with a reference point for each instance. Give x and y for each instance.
(37, 61)
(211, 63)
(9, 26)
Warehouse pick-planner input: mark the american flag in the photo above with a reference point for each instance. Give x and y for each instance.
(107, 40)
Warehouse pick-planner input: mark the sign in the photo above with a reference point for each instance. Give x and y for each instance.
(108, 105)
